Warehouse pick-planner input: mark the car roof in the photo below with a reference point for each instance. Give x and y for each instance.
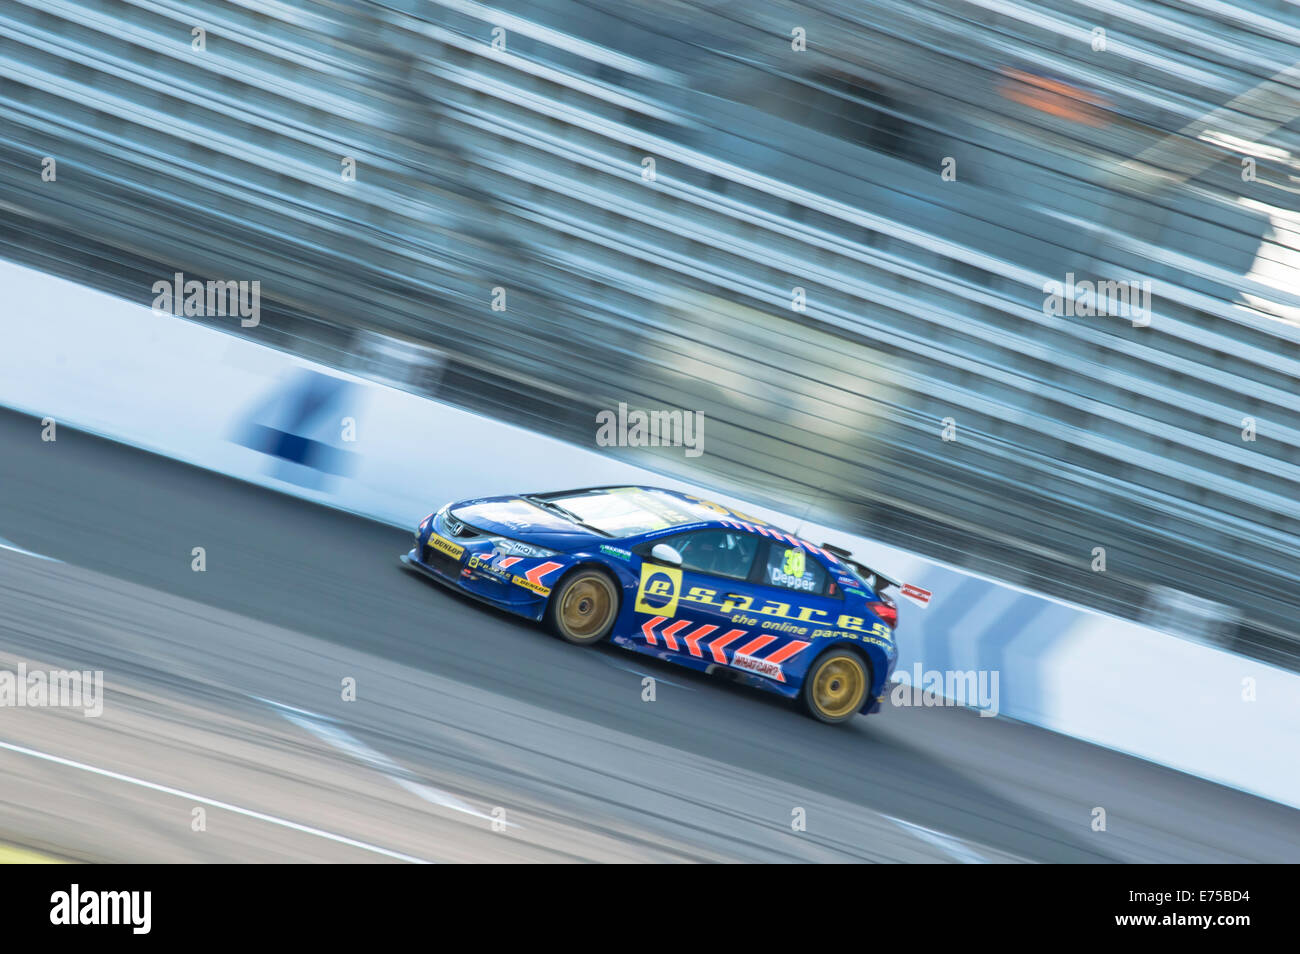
(726, 517)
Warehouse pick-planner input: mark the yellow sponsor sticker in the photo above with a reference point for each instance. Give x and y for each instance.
(659, 589)
(443, 545)
(703, 596)
(530, 585)
(792, 564)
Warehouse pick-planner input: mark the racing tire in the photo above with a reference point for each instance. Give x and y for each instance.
(583, 607)
(836, 686)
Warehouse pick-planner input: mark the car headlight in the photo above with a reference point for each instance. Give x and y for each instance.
(428, 521)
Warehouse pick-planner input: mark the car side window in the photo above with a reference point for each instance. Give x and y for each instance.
(794, 568)
(717, 552)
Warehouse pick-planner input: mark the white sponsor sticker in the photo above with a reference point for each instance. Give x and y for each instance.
(760, 666)
(916, 594)
(791, 582)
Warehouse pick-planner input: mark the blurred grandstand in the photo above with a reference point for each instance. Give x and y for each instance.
(1115, 156)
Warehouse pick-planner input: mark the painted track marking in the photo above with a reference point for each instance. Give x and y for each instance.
(324, 729)
(8, 545)
(214, 803)
(948, 844)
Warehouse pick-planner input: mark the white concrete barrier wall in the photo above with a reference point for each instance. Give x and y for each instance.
(224, 403)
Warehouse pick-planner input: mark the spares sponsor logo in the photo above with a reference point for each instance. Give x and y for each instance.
(793, 619)
(659, 589)
(484, 562)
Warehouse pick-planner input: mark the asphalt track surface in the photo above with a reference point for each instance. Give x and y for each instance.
(473, 736)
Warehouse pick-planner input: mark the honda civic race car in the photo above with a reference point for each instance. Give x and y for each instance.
(679, 578)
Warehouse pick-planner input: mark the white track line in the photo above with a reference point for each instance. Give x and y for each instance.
(249, 813)
(953, 847)
(322, 727)
(6, 545)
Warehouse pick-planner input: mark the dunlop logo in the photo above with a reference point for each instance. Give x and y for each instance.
(446, 546)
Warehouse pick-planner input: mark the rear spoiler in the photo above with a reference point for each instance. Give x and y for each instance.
(879, 582)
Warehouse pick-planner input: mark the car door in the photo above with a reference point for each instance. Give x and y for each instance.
(686, 611)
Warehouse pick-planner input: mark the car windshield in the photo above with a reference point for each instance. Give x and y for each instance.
(626, 511)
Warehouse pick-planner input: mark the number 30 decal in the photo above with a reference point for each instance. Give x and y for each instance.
(793, 563)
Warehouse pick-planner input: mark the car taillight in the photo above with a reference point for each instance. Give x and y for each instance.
(886, 611)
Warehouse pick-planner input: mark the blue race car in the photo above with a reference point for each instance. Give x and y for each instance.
(678, 578)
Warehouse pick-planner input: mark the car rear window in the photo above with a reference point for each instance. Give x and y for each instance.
(794, 568)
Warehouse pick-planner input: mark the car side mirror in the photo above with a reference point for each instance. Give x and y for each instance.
(663, 553)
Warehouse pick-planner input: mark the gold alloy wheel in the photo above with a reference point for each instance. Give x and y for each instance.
(838, 687)
(587, 607)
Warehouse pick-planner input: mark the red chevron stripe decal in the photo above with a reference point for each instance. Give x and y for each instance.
(692, 639)
(788, 651)
(755, 644)
(670, 633)
(536, 573)
(716, 647)
(648, 629)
